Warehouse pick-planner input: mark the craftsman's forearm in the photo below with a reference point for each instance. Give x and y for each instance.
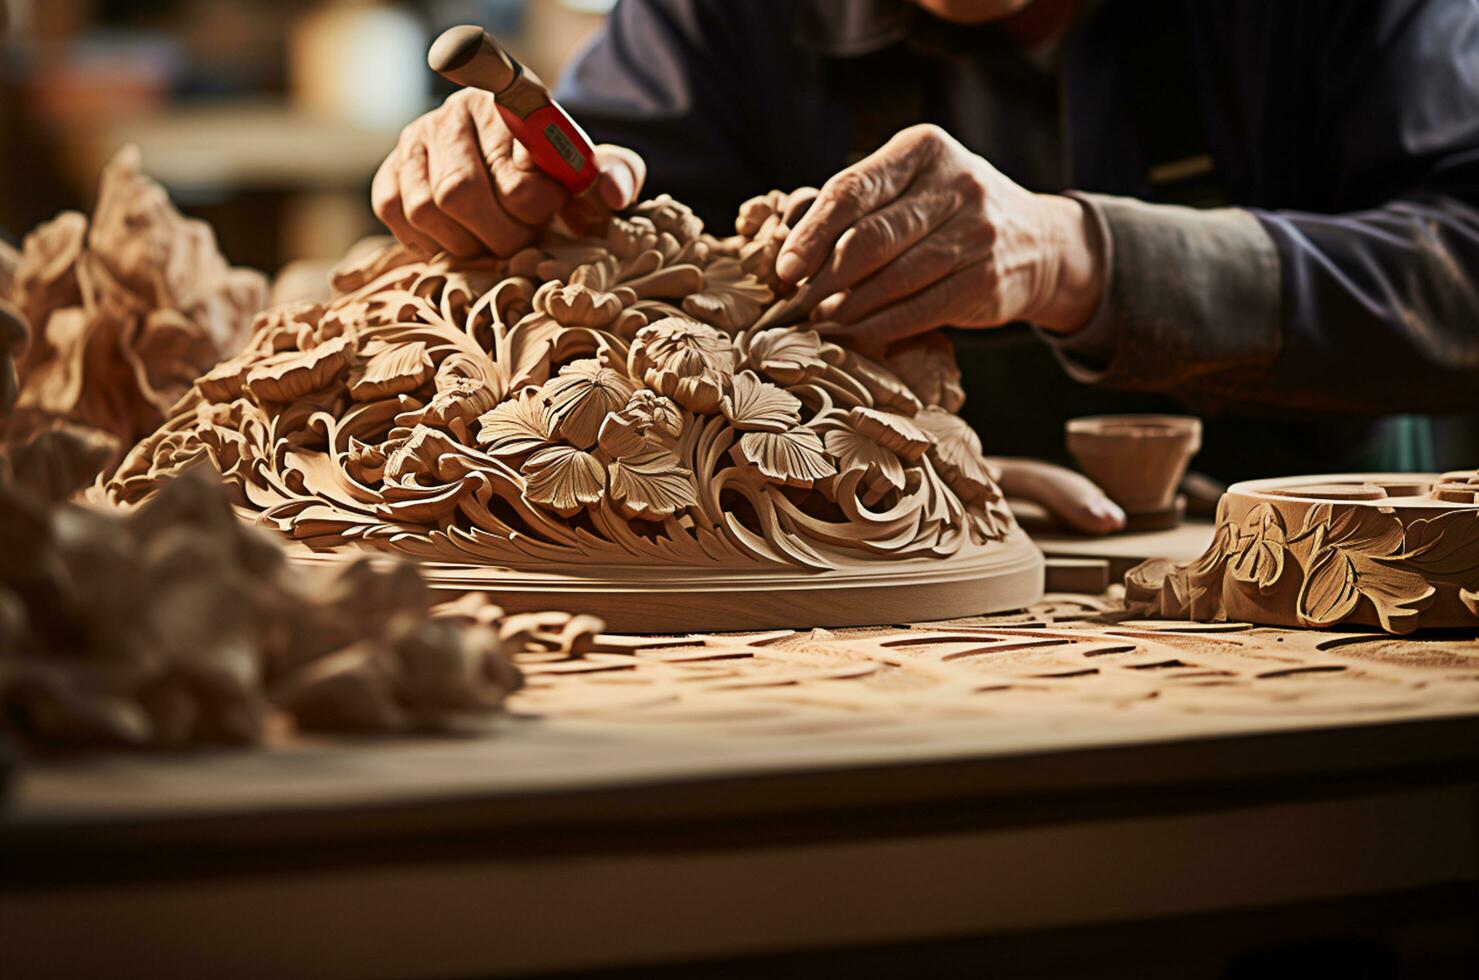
(1371, 311)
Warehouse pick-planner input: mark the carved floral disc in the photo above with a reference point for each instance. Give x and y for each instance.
(604, 409)
(1394, 550)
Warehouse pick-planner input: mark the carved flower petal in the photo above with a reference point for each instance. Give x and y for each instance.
(515, 427)
(290, 375)
(577, 305)
(689, 362)
(755, 406)
(418, 455)
(651, 486)
(580, 398)
(672, 216)
(892, 431)
(649, 421)
(564, 479)
(794, 458)
(786, 354)
(393, 370)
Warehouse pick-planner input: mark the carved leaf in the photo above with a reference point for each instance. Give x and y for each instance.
(755, 406)
(394, 370)
(648, 422)
(892, 431)
(690, 362)
(1444, 548)
(564, 479)
(857, 451)
(786, 354)
(1338, 579)
(732, 298)
(1470, 599)
(794, 458)
(651, 486)
(580, 398)
(1260, 558)
(1398, 596)
(956, 454)
(515, 427)
(1363, 530)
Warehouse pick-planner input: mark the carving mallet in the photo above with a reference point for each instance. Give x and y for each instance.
(470, 57)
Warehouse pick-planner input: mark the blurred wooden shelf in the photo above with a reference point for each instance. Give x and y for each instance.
(241, 145)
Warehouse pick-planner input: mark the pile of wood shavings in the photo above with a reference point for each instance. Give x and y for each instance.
(178, 626)
(125, 310)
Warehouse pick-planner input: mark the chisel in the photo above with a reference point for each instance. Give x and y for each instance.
(470, 57)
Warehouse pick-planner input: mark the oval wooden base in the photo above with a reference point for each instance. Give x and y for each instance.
(1006, 575)
(1397, 551)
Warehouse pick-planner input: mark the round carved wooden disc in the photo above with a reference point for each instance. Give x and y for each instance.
(1007, 575)
(1394, 550)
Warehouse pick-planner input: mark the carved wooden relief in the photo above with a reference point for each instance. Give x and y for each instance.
(125, 311)
(1397, 551)
(601, 409)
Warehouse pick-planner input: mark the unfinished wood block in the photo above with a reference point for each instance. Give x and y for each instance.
(1089, 576)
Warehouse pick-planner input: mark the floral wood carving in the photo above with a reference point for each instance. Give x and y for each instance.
(586, 403)
(1397, 551)
(125, 311)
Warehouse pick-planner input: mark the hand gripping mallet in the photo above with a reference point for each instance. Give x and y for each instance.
(468, 56)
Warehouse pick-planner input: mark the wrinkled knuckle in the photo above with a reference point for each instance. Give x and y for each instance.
(455, 188)
(384, 190)
(419, 208)
(530, 202)
(879, 234)
(849, 187)
(462, 97)
(969, 188)
(927, 133)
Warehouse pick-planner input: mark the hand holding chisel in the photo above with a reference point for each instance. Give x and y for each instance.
(490, 168)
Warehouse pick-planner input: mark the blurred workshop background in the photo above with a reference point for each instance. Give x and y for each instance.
(265, 117)
(268, 118)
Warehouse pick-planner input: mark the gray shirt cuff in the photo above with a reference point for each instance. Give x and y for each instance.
(1189, 294)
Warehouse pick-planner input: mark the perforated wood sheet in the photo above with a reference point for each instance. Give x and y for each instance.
(1064, 676)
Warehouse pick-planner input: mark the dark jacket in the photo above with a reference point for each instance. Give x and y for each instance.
(1348, 131)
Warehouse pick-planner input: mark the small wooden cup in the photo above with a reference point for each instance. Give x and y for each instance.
(1138, 460)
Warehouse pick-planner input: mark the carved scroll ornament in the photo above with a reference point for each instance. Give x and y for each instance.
(1397, 551)
(605, 401)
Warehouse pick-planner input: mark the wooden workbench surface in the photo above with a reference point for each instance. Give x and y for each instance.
(1035, 746)
(1068, 677)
